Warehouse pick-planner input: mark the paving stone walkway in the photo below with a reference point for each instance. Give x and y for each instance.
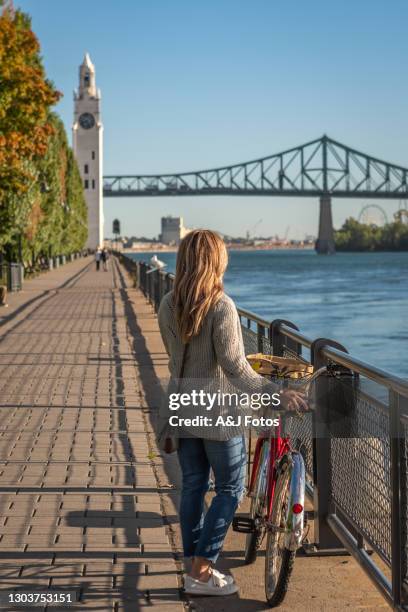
(80, 506)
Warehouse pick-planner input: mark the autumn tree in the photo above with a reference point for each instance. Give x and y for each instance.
(41, 198)
(25, 98)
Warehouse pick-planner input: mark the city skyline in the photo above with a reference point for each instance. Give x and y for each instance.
(189, 87)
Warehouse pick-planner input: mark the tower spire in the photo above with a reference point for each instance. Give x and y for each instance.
(88, 62)
(87, 83)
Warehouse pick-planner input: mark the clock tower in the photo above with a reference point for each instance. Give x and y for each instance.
(87, 142)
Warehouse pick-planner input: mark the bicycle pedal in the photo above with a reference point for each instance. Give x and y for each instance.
(243, 524)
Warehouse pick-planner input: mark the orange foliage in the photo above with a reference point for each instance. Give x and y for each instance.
(25, 100)
(36, 215)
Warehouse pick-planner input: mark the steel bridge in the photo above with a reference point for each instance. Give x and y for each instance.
(323, 168)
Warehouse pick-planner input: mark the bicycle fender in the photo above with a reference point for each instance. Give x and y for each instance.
(295, 521)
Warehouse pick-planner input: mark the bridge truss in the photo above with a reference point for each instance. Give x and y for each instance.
(322, 167)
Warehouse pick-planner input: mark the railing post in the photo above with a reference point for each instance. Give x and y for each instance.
(157, 281)
(276, 338)
(322, 463)
(398, 500)
(162, 285)
(137, 274)
(143, 277)
(152, 278)
(133, 273)
(149, 285)
(260, 335)
(145, 281)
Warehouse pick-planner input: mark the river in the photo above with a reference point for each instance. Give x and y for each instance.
(358, 299)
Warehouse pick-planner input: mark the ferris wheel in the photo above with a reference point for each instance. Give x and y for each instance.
(373, 214)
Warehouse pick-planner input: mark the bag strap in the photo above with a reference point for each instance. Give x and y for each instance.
(183, 363)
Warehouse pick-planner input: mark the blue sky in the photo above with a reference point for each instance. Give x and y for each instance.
(190, 85)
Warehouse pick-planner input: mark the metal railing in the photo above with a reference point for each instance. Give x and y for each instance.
(357, 480)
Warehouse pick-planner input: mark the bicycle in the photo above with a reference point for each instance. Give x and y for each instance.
(277, 489)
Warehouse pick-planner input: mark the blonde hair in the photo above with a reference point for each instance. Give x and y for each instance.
(201, 262)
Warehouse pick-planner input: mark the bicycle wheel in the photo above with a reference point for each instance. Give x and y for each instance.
(257, 510)
(279, 560)
(253, 539)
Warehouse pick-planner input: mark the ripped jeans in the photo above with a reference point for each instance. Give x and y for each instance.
(203, 534)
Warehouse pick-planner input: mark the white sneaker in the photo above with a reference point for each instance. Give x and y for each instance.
(216, 585)
(228, 579)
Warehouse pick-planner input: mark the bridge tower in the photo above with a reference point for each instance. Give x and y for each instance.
(325, 238)
(87, 141)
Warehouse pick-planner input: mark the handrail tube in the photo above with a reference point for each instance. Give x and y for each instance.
(341, 514)
(296, 336)
(284, 329)
(253, 317)
(361, 556)
(376, 374)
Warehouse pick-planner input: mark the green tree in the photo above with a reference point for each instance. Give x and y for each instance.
(60, 223)
(76, 225)
(355, 236)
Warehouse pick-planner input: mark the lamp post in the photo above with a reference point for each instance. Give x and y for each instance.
(116, 231)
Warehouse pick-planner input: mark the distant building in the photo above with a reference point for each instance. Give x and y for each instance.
(173, 230)
(310, 239)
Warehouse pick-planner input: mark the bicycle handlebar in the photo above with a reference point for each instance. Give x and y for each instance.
(302, 387)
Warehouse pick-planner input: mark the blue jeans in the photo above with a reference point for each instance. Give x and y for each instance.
(203, 536)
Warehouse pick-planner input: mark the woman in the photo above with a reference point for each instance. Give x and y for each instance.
(201, 331)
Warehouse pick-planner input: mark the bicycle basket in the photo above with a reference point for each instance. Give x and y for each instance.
(284, 371)
(279, 367)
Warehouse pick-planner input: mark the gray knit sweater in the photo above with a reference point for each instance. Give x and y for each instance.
(215, 361)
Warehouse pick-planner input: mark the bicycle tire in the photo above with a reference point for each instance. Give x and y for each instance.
(257, 511)
(277, 579)
(253, 540)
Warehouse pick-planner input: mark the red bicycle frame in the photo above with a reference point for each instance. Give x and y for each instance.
(278, 447)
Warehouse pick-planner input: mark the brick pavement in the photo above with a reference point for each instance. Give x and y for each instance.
(80, 507)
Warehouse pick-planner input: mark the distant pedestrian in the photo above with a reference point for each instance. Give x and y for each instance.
(105, 257)
(98, 257)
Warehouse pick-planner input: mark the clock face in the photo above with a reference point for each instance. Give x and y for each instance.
(86, 121)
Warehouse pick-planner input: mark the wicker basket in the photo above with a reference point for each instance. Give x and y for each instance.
(279, 367)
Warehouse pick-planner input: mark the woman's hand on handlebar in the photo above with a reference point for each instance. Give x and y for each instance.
(294, 401)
